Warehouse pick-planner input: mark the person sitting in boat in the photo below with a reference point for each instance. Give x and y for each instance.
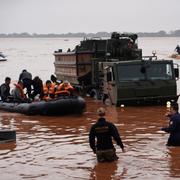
(18, 93)
(48, 90)
(55, 81)
(37, 88)
(26, 78)
(5, 90)
(177, 49)
(64, 88)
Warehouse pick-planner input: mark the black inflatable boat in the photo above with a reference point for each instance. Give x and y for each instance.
(60, 106)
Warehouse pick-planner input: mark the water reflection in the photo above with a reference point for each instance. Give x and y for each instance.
(58, 146)
(7, 147)
(174, 161)
(107, 171)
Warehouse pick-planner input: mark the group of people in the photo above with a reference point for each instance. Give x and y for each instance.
(102, 133)
(35, 89)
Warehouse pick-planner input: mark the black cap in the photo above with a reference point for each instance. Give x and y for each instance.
(175, 105)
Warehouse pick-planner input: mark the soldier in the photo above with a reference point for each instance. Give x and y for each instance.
(174, 126)
(103, 131)
(177, 49)
(26, 78)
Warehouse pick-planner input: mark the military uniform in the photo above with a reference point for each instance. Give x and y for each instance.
(103, 131)
(174, 130)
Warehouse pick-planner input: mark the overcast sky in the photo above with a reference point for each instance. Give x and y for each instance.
(63, 16)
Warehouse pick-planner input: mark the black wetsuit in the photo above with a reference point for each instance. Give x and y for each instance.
(174, 130)
(104, 131)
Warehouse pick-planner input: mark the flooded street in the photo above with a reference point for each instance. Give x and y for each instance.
(57, 147)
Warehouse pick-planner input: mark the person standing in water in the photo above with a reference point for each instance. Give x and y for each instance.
(100, 138)
(177, 49)
(174, 125)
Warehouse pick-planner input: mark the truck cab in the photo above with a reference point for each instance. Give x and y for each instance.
(139, 81)
(114, 69)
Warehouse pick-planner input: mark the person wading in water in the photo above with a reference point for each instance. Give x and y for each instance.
(174, 126)
(103, 131)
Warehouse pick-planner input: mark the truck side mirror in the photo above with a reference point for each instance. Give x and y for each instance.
(176, 72)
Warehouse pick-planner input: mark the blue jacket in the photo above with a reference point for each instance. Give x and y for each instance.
(174, 130)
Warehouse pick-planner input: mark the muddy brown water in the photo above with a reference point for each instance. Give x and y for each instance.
(58, 148)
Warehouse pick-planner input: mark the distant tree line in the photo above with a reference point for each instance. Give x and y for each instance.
(175, 33)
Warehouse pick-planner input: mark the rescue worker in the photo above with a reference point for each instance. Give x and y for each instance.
(177, 49)
(64, 88)
(37, 88)
(174, 126)
(5, 90)
(26, 78)
(18, 93)
(53, 79)
(101, 133)
(48, 90)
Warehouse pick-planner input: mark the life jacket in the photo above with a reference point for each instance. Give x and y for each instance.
(18, 86)
(48, 91)
(62, 89)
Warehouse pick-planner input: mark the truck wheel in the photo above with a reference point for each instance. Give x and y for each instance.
(107, 102)
(94, 94)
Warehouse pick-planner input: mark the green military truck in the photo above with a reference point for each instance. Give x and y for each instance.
(115, 71)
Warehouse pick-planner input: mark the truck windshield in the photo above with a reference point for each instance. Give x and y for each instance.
(138, 72)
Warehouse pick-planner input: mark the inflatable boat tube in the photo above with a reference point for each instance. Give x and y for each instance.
(7, 136)
(60, 106)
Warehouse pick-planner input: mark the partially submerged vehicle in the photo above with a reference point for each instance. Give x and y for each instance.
(61, 106)
(114, 69)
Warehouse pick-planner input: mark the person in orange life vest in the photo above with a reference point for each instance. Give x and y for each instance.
(48, 90)
(55, 82)
(64, 88)
(18, 93)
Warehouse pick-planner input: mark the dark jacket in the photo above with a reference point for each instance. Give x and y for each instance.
(104, 131)
(5, 91)
(174, 130)
(37, 87)
(25, 75)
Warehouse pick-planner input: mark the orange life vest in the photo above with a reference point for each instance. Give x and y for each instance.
(64, 89)
(18, 86)
(48, 91)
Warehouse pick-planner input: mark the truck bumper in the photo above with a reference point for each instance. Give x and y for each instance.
(158, 100)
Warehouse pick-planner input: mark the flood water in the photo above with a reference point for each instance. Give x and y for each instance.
(57, 147)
